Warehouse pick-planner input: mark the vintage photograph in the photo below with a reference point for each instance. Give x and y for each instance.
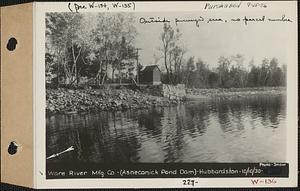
(165, 87)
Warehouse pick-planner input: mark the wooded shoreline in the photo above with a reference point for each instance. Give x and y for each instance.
(69, 101)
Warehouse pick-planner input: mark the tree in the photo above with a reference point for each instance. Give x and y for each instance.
(253, 77)
(275, 73)
(88, 45)
(112, 40)
(264, 72)
(202, 74)
(213, 79)
(283, 77)
(238, 73)
(177, 54)
(65, 41)
(51, 74)
(190, 67)
(171, 50)
(223, 70)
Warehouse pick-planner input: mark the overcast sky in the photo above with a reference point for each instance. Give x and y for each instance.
(210, 41)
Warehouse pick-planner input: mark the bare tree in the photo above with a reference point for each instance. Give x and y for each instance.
(171, 50)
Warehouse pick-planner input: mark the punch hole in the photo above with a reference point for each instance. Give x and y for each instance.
(11, 44)
(12, 148)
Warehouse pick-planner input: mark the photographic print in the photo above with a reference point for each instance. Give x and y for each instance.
(122, 90)
(178, 87)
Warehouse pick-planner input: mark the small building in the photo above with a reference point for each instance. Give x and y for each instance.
(150, 75)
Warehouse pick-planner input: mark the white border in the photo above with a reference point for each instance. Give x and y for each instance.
(39, 105)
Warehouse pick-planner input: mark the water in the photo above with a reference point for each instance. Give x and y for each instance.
(240, 130)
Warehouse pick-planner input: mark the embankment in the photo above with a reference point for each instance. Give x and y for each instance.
(69, 101)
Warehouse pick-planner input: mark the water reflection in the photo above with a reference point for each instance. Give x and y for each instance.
(239, 130)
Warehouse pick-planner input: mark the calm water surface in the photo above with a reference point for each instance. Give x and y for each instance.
(240, 130)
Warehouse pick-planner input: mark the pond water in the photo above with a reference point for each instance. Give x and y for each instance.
(222, 130)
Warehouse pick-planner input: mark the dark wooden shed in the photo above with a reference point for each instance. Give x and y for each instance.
(151, 75)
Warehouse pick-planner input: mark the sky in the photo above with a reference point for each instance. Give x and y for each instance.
(209, 41)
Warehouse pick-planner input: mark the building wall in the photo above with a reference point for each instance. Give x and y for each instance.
(156, 75)
(146, 77)
(151, 77)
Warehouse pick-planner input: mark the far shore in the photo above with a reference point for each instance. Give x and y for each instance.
(193, 93)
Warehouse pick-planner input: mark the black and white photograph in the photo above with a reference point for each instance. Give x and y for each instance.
(166, 87)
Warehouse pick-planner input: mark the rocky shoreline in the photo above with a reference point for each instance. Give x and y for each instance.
(69, 101)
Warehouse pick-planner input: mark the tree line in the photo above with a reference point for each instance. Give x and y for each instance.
(230, 71)
(228, 74)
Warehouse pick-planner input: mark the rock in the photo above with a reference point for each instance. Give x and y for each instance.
(51, 108)
(117, 102)
(66, 101)
(124, 106)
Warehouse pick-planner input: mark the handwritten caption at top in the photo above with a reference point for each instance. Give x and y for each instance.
(200, 19)
(107, 6)
(101, 6)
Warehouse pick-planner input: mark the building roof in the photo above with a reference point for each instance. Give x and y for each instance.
(150, 68)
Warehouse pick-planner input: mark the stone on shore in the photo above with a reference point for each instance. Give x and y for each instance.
(70, 101)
